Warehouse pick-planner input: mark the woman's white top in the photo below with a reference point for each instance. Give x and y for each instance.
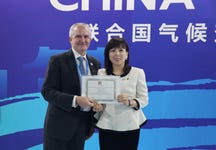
(119, 117)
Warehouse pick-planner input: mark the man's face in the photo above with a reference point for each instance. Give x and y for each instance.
(81, 39)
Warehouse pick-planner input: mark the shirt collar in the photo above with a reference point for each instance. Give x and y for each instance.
(76, 54)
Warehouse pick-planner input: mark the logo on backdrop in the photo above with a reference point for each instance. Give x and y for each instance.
(118, 5)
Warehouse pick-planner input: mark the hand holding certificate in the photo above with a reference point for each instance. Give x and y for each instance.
(103, 89)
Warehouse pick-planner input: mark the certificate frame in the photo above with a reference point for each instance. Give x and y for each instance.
(101, 88)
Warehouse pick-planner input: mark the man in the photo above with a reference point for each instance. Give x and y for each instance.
(69, 116)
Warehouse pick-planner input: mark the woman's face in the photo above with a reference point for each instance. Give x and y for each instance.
(118, 56)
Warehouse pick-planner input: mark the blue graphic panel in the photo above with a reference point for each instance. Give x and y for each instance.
(3, 83)
(173, 41)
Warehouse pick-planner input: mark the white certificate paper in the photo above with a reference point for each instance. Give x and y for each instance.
(101, 88)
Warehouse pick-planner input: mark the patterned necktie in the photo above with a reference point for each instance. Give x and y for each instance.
(81, 66)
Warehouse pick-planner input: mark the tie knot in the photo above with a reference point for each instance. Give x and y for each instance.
(80, 59)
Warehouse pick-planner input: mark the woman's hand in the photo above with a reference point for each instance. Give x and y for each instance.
(123, 98)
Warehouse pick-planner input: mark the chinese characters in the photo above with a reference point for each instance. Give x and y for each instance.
(195, 32)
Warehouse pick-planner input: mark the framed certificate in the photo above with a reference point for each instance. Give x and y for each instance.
(101, 88)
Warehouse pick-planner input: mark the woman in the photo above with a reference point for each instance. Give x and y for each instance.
(119, 124)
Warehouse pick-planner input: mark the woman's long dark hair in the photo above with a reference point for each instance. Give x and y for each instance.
(115, 43)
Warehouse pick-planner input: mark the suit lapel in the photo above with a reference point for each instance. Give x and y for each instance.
(73, 67)
(91, 65)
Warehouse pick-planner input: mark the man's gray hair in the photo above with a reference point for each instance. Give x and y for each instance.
(71, 31)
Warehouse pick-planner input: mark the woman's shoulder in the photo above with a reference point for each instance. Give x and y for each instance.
(136, 69)
(102, 71)
(138, 72)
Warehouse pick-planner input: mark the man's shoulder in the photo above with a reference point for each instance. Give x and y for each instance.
(93, 59)
(61, 55)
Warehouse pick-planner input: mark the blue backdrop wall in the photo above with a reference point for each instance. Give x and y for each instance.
(173, 41)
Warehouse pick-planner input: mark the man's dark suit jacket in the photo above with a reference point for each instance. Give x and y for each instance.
(61, 84)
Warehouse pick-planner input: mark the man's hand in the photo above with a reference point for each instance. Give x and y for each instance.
(84, 101)
(97, 107)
